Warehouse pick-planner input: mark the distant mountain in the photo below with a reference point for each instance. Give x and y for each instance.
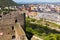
(39, 3)
(8, 3)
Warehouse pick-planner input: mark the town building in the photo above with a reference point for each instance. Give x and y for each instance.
(53, 17)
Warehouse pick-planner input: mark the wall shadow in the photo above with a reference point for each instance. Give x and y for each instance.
(29, 35)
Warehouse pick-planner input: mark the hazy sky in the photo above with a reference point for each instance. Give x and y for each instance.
(36, 0)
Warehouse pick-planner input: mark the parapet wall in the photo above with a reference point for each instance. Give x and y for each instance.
(7, 22)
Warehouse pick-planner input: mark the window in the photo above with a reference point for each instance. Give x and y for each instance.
(4, 13)
(13, 37)
(15, 20)
(12, 27)
(0, 16)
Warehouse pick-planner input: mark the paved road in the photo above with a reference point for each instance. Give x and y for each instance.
(55, 28)
(36, 38)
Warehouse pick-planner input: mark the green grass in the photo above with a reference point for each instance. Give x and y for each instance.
(52, 37)
(38, 29)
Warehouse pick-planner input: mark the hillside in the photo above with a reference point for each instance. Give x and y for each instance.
(41, 28)
(8, 3)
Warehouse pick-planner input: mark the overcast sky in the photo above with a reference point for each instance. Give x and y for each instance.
(36, 0)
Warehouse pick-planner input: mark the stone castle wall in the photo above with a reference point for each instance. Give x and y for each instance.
(7, 22)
